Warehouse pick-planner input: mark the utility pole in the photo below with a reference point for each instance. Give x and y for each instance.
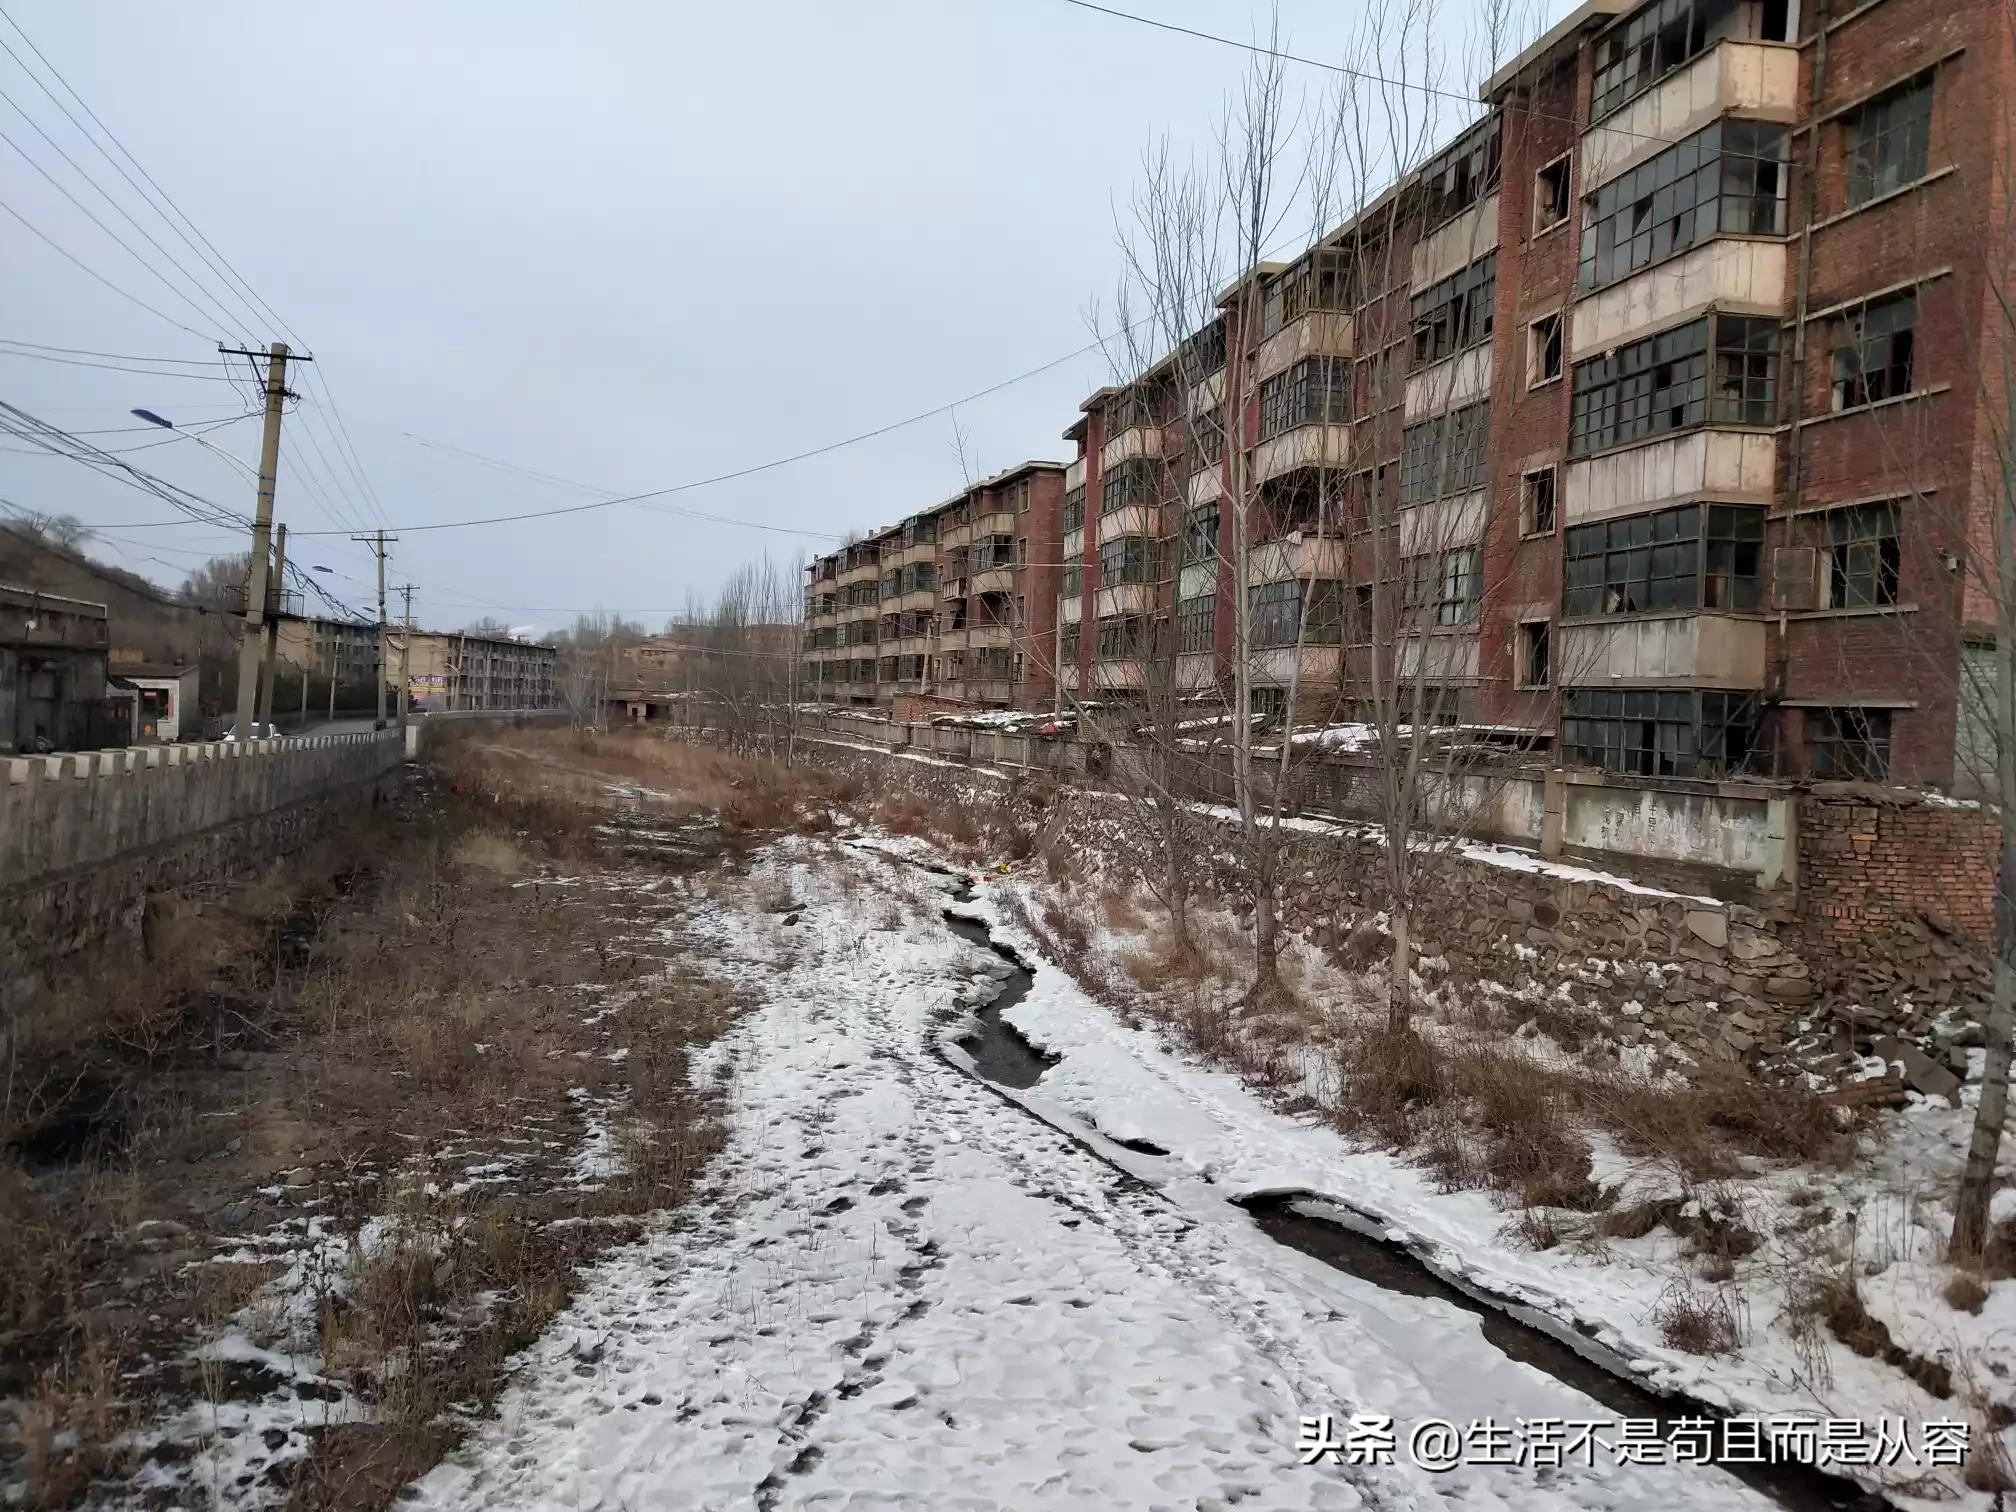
(251, 647)
(272, 635)
(405, 650)
(335, 662)
(378, 541)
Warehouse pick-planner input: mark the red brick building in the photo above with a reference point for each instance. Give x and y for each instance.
(1653, 415)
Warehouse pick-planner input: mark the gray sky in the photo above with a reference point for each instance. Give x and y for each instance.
(628, 244)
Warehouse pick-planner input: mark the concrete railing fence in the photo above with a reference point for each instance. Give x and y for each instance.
(88, 808)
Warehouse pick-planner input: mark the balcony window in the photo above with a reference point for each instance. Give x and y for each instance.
(920, 532)
(1660, 384)
(1123, 635)
(1665, 36)
(1015, 497)
(1656, 732)
(1074, 509)
(1445, 455)
(1726, 180)
(1848, 745)
(920, 577)
(1200, 534)
(1463, 175)
(1457, 312)
(1316, 391)
(1132, 482)
(1278, 617)
(1875, 350)
(1203, 354)
(1889, 140)
(1695, 556)
(1067, 645)
(995, 551)
(1126, 559)
(1207, 440)
(1074, 581)
(1863, 557)
(1321, 281)
(1196, 623)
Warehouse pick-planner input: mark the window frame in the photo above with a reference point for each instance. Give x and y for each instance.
(1530, 632)
(1134, 560)
(1863, 180)
(1542, 332)
(1423, 446)
(1854, 384)
(1561, 171)
(1197, 624)
(1870, 556)
(1857, 739)
(1530, 501)
(1691, 731)
(1455, 313)
(1314, 391)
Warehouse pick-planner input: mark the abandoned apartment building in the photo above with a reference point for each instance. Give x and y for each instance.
(1648, 417)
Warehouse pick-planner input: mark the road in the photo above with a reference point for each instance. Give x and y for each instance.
(901, 1290)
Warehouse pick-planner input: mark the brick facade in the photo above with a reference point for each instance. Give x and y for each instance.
(1869, 863)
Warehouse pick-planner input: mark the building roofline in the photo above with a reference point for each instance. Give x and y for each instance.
(32, 596)
(1588, 15)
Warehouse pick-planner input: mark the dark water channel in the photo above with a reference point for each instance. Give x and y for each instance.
(1003, 1056)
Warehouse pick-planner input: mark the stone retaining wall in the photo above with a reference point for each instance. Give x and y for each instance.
(1716, 979)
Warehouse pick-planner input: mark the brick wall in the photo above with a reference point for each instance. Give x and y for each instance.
(1869, 866)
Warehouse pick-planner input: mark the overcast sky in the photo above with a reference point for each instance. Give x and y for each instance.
(626, 244)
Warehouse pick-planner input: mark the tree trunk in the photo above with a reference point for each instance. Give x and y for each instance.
(1977, 1177)
(1266, 922)
(1400, 993)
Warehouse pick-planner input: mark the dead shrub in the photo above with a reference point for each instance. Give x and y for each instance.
(1120, 911)
(1069, 929)
(1698, 1322)
(1837, 1301)
(1532, 1149)
(1964, 1293)
(1388, 1079)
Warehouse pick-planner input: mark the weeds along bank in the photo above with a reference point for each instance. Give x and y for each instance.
(1691, 977)
(283, 1188)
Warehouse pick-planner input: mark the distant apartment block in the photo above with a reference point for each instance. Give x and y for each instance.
(449, 670)
(952, 607)
(344, 649)
(1654, 410)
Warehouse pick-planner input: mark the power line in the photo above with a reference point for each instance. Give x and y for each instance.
(759, 467)
(89, 271)
(103, 193)
(91, 215)
(1362, 74)
(119, 451)
(116, 367)
(28, 427)
(139, 167)
(39, 346)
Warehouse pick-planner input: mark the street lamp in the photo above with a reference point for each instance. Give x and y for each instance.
(153, 419)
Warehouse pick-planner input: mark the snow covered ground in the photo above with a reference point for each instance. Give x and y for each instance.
(901, 1289)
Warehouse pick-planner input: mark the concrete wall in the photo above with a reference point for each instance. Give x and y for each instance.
(60, 813)
(1746, 831)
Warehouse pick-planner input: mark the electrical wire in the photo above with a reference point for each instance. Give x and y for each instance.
(120, 451)
(117, 367)
(38, 346)
(1361, 74)
(64, 252)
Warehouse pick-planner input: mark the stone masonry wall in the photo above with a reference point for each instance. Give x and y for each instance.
(1715, 979)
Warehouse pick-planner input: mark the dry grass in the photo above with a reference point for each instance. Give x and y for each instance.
(1964, 1293)
(402, 988)
(1699, 1321)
